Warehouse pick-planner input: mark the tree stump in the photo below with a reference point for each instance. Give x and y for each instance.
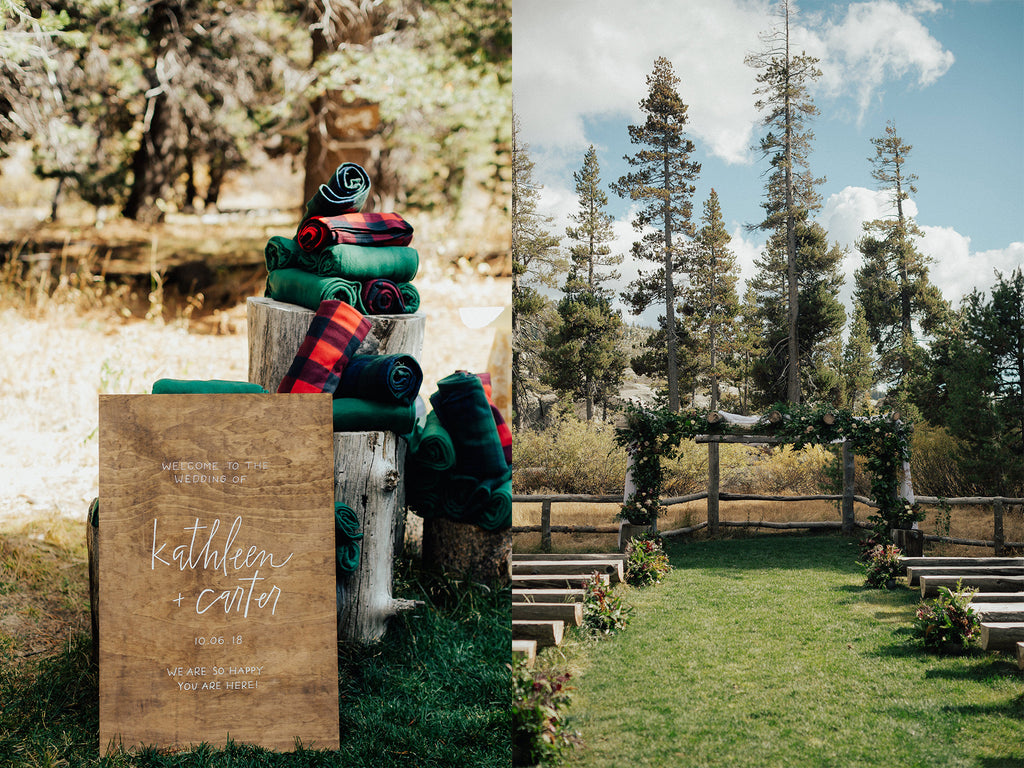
(464, 549)
(368, 466)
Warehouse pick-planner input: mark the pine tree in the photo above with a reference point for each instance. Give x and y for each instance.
(711, 294)
(748, 346)
(858, 362)
(786, 104)
(535, 259)
(590, 252)
(662, 180)
(581, 354)
(892, 284)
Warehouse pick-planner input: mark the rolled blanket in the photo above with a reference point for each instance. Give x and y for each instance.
(346, 192)
(363, 262)
(346, 538)
(463, 497)
(385, 378)
(281, 253)
(431, 445)
(208, 387)
(380, 229)
(504, 433)
(410, 296)
(296, 286)
(464, 411)
(382, 297)
(353, 414)
(333, 337)
(497, 512)
(423, 489)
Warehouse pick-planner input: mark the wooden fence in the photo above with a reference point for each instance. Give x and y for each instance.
(998, 503)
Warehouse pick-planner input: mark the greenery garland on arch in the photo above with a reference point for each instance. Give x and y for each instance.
(652, 433)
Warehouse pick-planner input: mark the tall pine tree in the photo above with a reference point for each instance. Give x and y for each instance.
(711, 294)
(662, 181)
(858, 362)
(786, 104)
(892, 284)
(590, 251)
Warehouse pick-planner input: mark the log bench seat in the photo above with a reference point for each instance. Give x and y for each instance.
(581, 568)
(555, 581)
(992, 583)
(525, 650)
(915, 572)
(567, 613)
(1001, 635)
(545, 633)
(548, 595)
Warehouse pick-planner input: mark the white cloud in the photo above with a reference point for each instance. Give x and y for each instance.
(874, 43)
(592, 58)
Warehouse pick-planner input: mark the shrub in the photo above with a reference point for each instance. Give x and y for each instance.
(883, 565)
(948, 620)
(570, 457)
(603, 612)
(646, 561)
(540, 699)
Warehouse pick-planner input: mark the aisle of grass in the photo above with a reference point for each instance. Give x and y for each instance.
(767, 652)
(433, 694)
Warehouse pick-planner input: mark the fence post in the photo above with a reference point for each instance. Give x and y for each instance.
(545, 526)
(713, 485)
(849, 470)
(997, 533)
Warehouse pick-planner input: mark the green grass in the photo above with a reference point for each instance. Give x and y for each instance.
(768, 651)
(433, 694)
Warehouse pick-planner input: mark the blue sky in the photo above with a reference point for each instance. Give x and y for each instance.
(949, 73)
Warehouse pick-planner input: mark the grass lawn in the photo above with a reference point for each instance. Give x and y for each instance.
(433, 694)
(768, 651)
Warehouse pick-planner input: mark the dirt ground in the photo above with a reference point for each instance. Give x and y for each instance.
(53, 368)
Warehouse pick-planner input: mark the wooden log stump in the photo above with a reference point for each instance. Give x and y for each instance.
(546, 633)
(467, 550)
(276, 330)
(368, 478)
(909, 540)
(1001, 635)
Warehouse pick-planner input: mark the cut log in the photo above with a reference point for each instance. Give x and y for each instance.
(548, 595)
(930, 584)
(909, 540)
(467, 550)
(518, 557)
(276, 330)
(553, 582)
(1001, 635)
(909, 562)
(998, 597)
(583, 568)
(1013, 612)
(525, 650)
(915, 572)
(567, 613)
(368, 479)
(546, 633)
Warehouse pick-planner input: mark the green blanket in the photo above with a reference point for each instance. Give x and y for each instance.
(431, 445)
(411, 297)
(197, 387)
(365, 262)
(386, 378)
(346, 538)
(464, 411)
(296, 286)
(355, 415)
(281, 253)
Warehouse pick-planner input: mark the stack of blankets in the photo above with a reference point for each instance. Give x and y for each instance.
(459, 460)
(340, 253)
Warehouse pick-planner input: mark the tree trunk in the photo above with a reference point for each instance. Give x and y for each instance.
(670, 300)
(463, 549)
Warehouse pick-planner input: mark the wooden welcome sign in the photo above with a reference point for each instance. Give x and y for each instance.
(217, 604)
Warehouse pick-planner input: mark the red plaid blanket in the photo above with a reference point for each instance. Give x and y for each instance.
(333, 337)
(319, 232)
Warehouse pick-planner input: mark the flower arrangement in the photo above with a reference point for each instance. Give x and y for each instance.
(948, 621)
(883, 565)
(540, 699)
(646, 561)
(603, 612)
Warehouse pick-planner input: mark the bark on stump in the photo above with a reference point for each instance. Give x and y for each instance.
(368, 466)
(464, 549)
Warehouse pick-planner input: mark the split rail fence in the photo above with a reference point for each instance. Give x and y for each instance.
(714, 496)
